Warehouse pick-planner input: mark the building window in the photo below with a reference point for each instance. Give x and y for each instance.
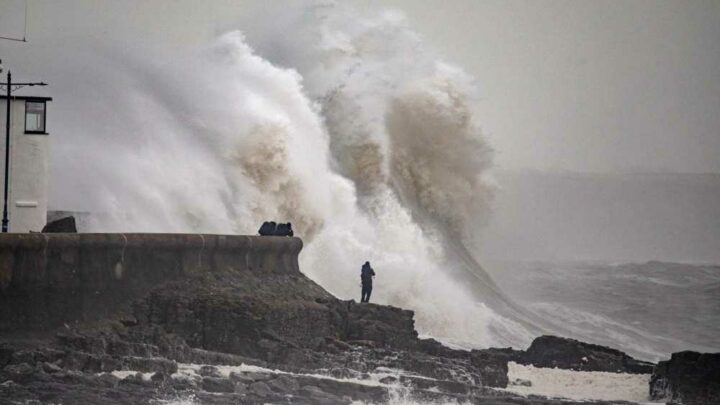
(35, 117)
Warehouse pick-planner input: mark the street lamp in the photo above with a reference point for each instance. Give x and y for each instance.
(10, 87)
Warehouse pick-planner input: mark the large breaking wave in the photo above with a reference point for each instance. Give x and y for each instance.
(355, 133)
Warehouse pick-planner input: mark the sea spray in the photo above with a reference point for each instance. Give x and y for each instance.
(372, 151)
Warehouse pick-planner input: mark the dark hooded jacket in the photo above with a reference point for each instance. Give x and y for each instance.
(366, 274)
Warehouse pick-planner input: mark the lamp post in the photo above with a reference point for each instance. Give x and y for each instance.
(10, 87)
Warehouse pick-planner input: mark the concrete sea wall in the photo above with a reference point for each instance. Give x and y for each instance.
(47, 280)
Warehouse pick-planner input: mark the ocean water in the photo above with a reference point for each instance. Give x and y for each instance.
(648, 310)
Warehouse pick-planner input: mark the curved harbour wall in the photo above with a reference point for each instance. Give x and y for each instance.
(47, 280)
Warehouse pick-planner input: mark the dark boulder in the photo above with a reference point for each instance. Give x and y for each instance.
(267, 228)
(493, 365)
(62, 225)
(215, 384)
(688, 377)
(284, 230)
(553, 351)
(380, 325)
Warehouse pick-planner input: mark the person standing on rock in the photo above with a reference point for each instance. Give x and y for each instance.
(366, 276)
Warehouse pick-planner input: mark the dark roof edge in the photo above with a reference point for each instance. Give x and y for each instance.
(29, 98)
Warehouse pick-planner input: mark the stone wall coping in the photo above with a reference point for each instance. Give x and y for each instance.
(157, 240)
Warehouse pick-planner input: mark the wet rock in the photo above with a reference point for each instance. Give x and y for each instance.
(319, 396)
(241, 378)
(521, 383)
(253, 376)
(445, 386)
(108, 363)
(492, 365)
(380, 325)
(200, 356)
(108, 380)
(359, 392)
(260, 389)
(213, 384)
(209, 371)
(51, 367)
(183, 384)
(688, 377)
(283, 384)
(19, 372)
(553, 351)
(341, 372)
(240, 388)
(388, 380)
(149, 365)
(135, 379)
(159, 377)
(435, 348)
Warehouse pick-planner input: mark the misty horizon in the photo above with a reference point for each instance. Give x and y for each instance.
(582, 86)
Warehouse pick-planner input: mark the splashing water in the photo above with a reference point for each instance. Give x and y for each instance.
(369, 146)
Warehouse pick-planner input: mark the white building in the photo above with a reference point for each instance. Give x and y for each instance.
(29, 155)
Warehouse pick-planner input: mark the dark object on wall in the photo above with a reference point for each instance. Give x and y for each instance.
(284, 230)
(267, 228)
(688, 377)
(62, 225)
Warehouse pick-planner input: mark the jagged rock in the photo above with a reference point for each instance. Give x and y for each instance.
(688, 377)
(241, 378)
(214, 384)
(553, 351)
(388, 380)
(260, 389)
(19, 372)
(220, 300)
(159, 377)
(108, 380)
(522, 383)
(152, 364)
(435, 348)
(380, 324)
(51, 367)
(62, 225)
(183, 384)
(135, 379)
(283, 384)
(253, 376)
(319, 396)
(240, 388)
(358, 392)
(341, 372)
(446, 386)
(493, 367)
(209, 371)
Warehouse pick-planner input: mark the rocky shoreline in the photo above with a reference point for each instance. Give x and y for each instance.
(258, 332)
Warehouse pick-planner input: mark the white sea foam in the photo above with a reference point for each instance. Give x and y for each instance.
(578, 385)
(122, 374)
(398, 393)
(524, 380)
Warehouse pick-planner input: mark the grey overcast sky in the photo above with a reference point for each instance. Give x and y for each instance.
(581, 85)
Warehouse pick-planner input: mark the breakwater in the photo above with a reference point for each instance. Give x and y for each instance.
(48, 280)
